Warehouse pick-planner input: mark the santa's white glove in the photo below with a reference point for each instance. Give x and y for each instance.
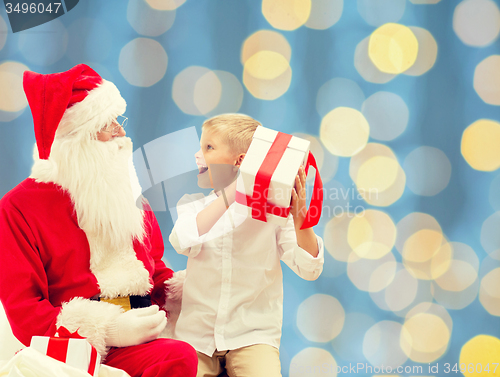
(136, 326)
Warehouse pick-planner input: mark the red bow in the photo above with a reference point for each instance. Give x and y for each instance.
(63, 332)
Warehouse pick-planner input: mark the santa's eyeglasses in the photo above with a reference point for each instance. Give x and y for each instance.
(116, 125)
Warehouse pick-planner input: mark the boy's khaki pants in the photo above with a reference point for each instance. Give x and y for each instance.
(258, 360)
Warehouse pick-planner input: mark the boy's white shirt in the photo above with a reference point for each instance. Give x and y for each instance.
(233, 292)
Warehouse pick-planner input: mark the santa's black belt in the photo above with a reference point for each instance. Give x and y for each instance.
(127, 302)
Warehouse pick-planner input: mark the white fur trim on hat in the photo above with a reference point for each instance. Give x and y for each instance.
(102, 104)
(91, 318)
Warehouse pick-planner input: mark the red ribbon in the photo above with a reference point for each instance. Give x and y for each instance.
(264, 174)
(93, 360)
(58, 347)
(316, 204)
(258, 201)
(63, 332)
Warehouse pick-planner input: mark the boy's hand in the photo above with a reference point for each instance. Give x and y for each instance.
(299, 209)
(306, 238)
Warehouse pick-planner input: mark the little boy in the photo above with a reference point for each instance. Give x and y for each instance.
(232, 302)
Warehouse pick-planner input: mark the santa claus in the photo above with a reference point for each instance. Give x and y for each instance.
(75, 249)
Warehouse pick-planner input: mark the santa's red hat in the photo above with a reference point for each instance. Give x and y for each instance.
(77, 102)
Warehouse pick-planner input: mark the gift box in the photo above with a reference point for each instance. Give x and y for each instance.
(267, 176)
(69, 348)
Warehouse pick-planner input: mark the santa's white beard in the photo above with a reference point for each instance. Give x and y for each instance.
(103, 186)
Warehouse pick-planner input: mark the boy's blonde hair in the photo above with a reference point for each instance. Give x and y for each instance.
(236, 130)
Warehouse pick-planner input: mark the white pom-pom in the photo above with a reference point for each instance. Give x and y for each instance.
(173, 302)
(175, 284)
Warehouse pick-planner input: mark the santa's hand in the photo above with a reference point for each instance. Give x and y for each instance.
(137, 326)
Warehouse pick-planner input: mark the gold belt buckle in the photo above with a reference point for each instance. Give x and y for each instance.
(124, 302)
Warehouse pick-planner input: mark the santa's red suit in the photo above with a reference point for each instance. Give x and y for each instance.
(54, 265)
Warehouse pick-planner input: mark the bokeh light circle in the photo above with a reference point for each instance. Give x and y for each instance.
(489, 292)
(286, 14)
(310, 362)
(411, 224)
(428, 171)
(381, 345)
(265, 40)
(328, 316)
(422, 245)
(200, 91)
(371, 275)
(231, 96)
(463, 269)
(387, 115)
(46, 44)
(401, 292)
(427, 254)
(481, 351)
(365, 66)
(378, 173)
(379, 178)
(11, 76)
(149, 21)
(324, 13)
(143, 62)
(267, 75)
(490, 236)
(480, 143)
(339, 92)
(377, 13)
(371, 234)
(487, 80)
(427, 52)
(393, 48)
(335, 236)
(489, 297)
(344, 131)
(476, 22)
(165, 4)
(266, 65)
(458, 286)
(207, 92)
(426, 332)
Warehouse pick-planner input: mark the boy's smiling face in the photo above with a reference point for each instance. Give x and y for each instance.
(213, 153)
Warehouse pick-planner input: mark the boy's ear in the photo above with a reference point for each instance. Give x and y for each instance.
(239, 159)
